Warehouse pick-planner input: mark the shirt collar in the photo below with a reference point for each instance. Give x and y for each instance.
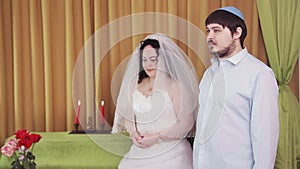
(235, 59)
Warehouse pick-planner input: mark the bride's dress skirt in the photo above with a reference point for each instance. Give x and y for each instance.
(166, 155)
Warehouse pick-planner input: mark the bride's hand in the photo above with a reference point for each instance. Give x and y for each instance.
(149, 139)
(136, 139)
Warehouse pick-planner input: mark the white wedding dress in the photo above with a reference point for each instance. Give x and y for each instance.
(154, 114)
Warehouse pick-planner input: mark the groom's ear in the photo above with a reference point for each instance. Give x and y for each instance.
(238, 33)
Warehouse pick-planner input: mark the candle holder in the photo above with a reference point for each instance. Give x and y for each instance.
(76, 125)
(76, 131)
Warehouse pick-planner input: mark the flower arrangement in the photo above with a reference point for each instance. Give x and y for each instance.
(20, 149)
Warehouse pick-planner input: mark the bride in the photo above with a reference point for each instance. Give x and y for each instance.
(156, 105)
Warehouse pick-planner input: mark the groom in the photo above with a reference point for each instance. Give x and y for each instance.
(237, 124)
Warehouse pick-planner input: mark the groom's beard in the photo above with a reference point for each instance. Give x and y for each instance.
(222, 52)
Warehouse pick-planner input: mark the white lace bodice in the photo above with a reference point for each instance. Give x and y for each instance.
(153, 113)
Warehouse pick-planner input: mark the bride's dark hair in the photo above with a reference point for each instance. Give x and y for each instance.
(153, 43)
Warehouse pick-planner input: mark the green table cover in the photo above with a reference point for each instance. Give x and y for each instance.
(61, 150)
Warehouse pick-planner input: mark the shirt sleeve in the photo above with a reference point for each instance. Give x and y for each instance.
(265, 120)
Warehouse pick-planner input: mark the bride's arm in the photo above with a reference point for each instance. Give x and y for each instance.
(134, 134)
(185, 120)
(182, 126)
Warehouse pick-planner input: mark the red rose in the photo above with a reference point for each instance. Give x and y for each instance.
(20, 133)
(35, 137)
(25, 140)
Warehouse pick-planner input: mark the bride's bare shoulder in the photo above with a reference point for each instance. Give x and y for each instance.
(143, 83)
(145, 87)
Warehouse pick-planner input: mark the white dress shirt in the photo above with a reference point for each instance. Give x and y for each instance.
(238, 121)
